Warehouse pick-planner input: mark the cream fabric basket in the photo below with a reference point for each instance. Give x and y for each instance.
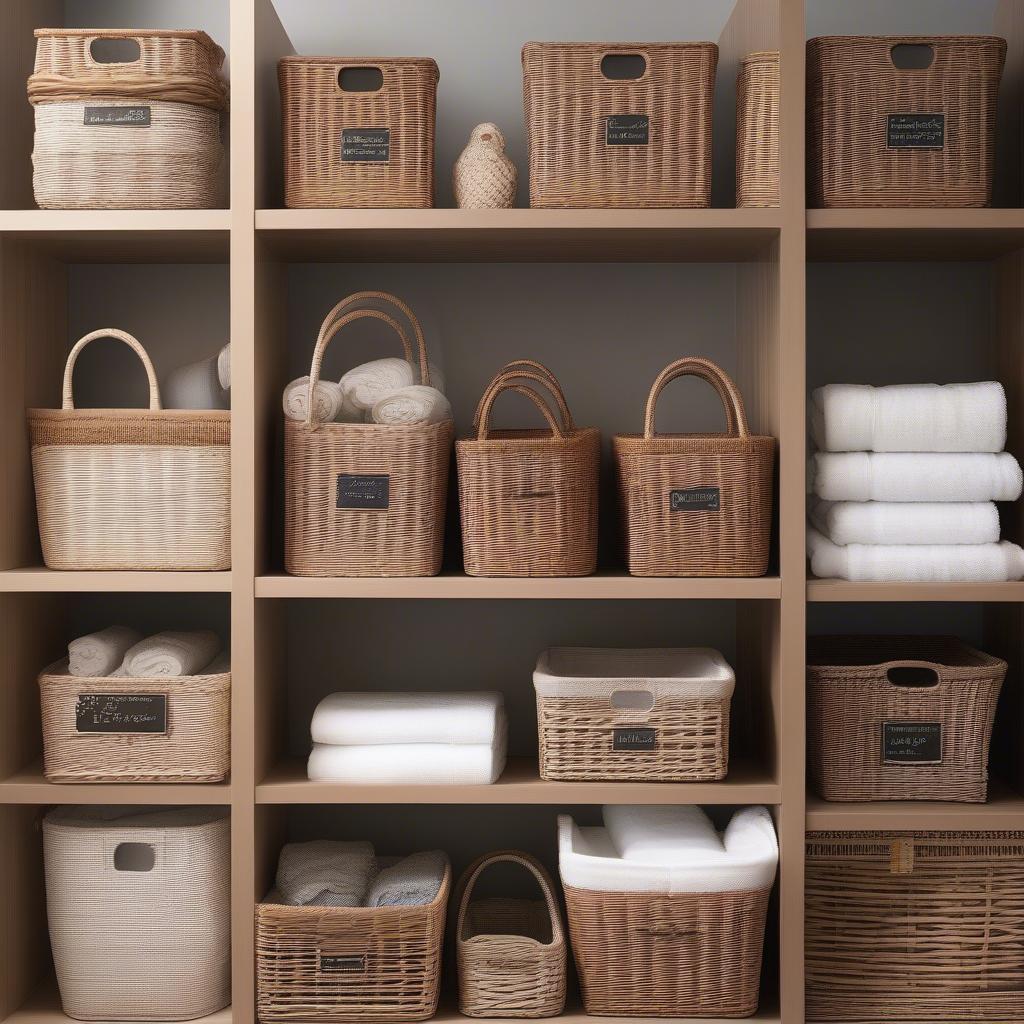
(138, 901)
(131, 488)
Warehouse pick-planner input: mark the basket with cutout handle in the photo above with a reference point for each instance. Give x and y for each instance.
(131, 488)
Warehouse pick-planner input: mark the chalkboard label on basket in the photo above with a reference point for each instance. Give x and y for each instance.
(912, 742)
(634, 739)
(368, 490)
(365, 145)
(696, 499)
(627, 130)
(342, 963)
(916, 131)
(123, 117)
(121, 712)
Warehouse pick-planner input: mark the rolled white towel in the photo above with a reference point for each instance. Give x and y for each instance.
(101, 653)
(332, 404)
(367, 383)
(224, 367)
(195, 386)
(172, 654)
(907, 522)
(408, 764)
(413, 405)
(661, 835)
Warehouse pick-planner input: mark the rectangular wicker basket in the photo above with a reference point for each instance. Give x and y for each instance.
(915, 926)
(600, 141)
(354, 148)
(757, 130)
(883, 135)
(900, 718)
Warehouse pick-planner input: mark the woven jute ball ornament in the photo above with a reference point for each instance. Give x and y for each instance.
(484, 178)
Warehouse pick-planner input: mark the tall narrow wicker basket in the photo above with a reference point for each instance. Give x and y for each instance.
(757, 130)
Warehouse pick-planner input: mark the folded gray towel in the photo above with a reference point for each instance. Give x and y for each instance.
(324, 873)
(414, 881)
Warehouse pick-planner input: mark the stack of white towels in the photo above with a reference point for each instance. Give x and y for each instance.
(409, 739)
(121, 651)
(905, 480)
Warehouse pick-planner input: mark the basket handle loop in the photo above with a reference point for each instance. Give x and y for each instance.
(68, 397)
(912, 673)
(469, 879)
(696, 366)
(531, 370)
(492, 393)
(115, 35)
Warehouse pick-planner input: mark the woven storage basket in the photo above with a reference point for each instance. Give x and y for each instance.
(123, 729)
(139, 905)
(143, 134)
(401, 532)
(597, 141)
(757, 130)
(900, 718)
(880, 135)
(511, 952)
(528, 498)
(131, 488)
(349, 963)
(352, 148)
(915, 926)
(633, 715)
(696, 504)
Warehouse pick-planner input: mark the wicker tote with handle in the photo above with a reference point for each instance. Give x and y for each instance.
(696, 504)
(511, 952)
(757, 130)
(330, 529)
(528, 498)
(131, 488)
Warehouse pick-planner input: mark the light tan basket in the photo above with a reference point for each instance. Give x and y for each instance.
(757, 130)
(139, 905)
(401, 532)
(330, 964)
(610, 142)
(354, 149)
(131, 488)
(511, 952)
(696, 504)
(128, 729)
(528, 498)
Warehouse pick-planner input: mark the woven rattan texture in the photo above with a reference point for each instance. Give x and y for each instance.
(849, 697)
(183, 428)
(904, 926)
(853, 87)
(349, 964)
(195, 748)
(668, 955)
(567, 101)
(315, 111)
(757, 130)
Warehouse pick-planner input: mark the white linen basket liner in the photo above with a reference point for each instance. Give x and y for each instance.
(139, 944)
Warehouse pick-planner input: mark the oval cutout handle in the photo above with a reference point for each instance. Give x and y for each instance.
(913, 674)
(623, 67)
(632, 700)
(114, 50)
(361, 79)
(134, 857)
(912, 56)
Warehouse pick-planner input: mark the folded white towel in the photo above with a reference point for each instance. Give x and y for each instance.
(324, 873)
(195, 386)
(332, 405)
(414, 881)
(915, 563)
(661, 835)
(224, 367)
(909, 418)
(371, 719)
(368, 383)
(412, 405)
(915, 476)
(172, 654)
(907, 522)
(100, 654)
(408, 764)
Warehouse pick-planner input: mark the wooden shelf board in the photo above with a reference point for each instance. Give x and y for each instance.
(575, 1015)
(520, 784)
(38, 578)
(509, 235)
(845, 590)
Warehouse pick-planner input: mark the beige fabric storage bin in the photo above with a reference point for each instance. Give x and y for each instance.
(139, 906)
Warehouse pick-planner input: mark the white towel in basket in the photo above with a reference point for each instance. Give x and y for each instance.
(101, 653)
(408, 764)
(412, 405)
(368, 383)
(324, 873)
(413, 881)
(332, 406)
(172, 654)
(661, 835)
(907, 522)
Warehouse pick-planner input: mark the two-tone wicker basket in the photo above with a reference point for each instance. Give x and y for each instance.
(914, 926)
(757, 130)
(528, 498)
(881, 133)
(131, 488)
(356, 147)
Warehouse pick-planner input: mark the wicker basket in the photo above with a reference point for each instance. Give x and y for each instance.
(399, 530)
(757, 130)
(139, 905)
(696, 504)
(633, 715)
(528, 498)
(349, 964)
(352, 148)
(900, 718)
(145, 134)
(915, 926)
(598, 141)
(128, 488)
(120, 729)
(511, 952)
(880, 135)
